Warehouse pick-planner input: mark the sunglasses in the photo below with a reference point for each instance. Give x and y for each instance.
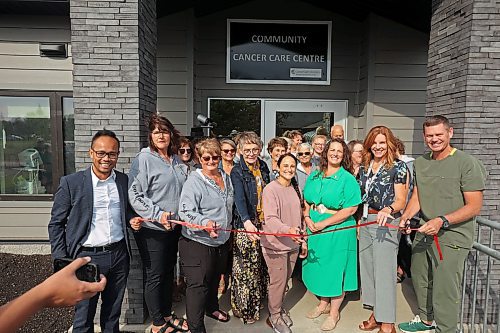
(304, 154)
(208, 158)
(227, 151)
(185, 150)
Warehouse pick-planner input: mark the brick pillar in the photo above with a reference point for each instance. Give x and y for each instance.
(114, 86)
(464, 85)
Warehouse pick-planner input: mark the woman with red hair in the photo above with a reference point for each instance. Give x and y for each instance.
(384, 182)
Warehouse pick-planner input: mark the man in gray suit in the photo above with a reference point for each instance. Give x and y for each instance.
(88, 219)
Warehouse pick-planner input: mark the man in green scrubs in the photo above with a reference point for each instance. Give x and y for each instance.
(448, 192)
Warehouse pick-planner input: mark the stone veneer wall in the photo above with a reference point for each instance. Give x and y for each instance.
(464, 85)
(114, 87)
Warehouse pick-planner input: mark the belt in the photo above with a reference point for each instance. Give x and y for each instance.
(104, 248)
(375, 212)
(323, 210)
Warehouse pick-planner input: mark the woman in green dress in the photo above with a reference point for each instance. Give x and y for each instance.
(332, 196)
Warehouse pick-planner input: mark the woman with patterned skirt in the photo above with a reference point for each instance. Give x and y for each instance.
(249, 275)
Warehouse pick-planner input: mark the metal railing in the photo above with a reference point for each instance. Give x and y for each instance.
(483, 314)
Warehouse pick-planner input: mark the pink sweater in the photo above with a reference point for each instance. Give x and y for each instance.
(282, 211)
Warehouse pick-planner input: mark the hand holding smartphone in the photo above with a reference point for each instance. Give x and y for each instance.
(89, 272)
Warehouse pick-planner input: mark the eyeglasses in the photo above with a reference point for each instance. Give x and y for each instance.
(357, 151)
(304, 154)
(254, 151)
(158, 133)
(100, 154)
(227, 151)
(185, 151)
(208, 158)
(318, 144)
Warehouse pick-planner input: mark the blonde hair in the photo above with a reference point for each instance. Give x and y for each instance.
(211, 146)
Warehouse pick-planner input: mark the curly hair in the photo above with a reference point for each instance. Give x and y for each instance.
(346, 157)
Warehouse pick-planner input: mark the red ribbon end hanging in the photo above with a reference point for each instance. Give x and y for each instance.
(438, 247)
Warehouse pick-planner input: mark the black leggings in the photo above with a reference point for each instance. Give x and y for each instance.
(158, 251)
(202, 266)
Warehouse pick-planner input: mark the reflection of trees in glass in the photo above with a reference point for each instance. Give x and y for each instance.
(239, 115)
(28, 127)
(281, 121)
(306, 122)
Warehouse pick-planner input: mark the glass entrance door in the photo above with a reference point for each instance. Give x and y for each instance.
(304, 115)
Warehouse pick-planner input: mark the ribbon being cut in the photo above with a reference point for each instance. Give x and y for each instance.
(301, 235)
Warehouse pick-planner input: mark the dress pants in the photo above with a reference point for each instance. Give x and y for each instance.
(158, 251)
(202, 266)
(378, 249)
(438, 283)
(280, 267)
(114, 264)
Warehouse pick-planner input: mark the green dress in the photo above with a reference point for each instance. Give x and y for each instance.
(331, 266)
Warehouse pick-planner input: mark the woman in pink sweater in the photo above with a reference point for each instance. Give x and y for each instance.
(282, 203)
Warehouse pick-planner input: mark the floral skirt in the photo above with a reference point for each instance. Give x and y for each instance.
(249, 278)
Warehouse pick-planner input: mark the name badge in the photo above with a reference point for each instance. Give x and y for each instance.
(365, 211)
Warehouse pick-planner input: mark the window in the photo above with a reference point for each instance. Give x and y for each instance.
(235, 115)
(35, 151)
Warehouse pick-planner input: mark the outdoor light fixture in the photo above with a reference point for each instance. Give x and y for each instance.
(57, 50)
(205, 121)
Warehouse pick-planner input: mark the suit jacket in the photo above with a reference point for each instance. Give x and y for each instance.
(71, 215)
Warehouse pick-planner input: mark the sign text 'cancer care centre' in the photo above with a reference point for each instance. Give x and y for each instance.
(278, 52)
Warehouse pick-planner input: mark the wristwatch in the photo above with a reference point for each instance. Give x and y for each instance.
(446, 223)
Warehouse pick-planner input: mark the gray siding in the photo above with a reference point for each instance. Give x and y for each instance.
(175, 69)
(399, 60)
(21, 66)
(24, 220)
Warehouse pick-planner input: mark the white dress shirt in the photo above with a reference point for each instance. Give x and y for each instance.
(106, 226)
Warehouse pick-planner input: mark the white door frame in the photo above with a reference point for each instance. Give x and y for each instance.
(339, 109)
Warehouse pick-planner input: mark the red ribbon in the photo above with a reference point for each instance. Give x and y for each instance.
(201, 227)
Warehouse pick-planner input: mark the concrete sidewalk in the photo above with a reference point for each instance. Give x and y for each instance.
(299, 302)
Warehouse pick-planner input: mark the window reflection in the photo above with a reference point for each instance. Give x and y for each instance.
(68, 135)
(25, 147)
(232, 115)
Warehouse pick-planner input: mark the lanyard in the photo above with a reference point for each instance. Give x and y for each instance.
(370, 180)
(369, 185)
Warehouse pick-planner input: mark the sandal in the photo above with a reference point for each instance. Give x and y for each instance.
(370, 324)
(393, 330)
(330, 323)
(225, 316)
(164, 329)
(179, 327)
(316, 312)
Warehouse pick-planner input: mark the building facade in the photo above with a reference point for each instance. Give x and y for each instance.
(72, 67)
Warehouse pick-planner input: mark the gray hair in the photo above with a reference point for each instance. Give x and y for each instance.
(305, 145)
(249, 137)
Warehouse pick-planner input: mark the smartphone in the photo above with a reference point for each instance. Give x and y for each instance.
(88, 272)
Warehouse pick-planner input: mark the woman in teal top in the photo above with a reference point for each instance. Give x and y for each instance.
(332, 196)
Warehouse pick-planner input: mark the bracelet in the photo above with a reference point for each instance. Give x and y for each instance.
(307, 216)
(392, 209)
